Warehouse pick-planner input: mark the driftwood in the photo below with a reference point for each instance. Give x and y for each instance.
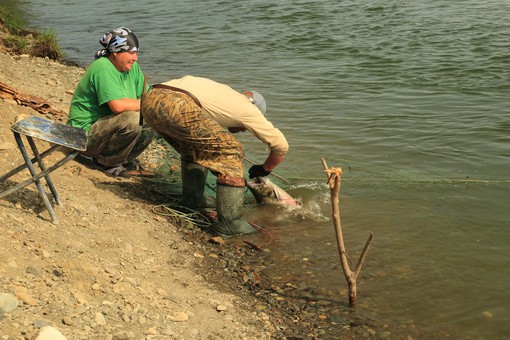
(39, 104)
(334, 181)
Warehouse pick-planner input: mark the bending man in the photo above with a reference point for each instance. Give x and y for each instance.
(193, 114)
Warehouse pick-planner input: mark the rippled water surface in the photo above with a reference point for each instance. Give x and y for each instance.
(410, 98)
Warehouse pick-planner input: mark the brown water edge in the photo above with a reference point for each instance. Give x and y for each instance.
(301, 265)
(316, 311)
(315, 314)
(303, 253)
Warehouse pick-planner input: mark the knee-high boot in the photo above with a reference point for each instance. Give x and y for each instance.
(229, 205)
(194, 177)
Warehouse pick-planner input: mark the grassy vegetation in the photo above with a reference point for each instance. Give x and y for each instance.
(18, 39)
(13, 21)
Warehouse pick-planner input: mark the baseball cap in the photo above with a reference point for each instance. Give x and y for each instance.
(259, 101)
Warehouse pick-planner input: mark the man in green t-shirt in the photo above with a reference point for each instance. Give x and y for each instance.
(106, 103)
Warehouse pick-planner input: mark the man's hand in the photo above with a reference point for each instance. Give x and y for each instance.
(258, 171)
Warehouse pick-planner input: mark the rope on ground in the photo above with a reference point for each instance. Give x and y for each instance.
(191, 216)
(199, 220)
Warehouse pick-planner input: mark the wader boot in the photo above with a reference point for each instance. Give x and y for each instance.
(229, 205)
(194, 177)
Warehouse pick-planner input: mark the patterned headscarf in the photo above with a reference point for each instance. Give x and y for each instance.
(121, 39)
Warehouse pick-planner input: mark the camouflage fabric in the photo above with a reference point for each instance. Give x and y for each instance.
(198, 139)
(116, 139)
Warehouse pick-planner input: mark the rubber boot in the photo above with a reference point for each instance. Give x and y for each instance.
(194, 177)
(229, 205)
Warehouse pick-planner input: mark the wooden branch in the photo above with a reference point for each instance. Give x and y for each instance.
(334, 181)
(39, 104)
(363, 254)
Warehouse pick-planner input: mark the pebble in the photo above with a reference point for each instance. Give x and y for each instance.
(131, 281)
(168, 331)
(142, 320)
(23, 294)
(39, 323)
(58, 272)
(216, 240)
(100, 319)
(151, 331)
(49, 333)
(32, 270)
(221, 308)
(263, 316)
(67, 321)
(8, 303)
(124, 335)
(178, 317)
(487, 315)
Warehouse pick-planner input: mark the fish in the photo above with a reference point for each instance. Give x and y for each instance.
(266, 191)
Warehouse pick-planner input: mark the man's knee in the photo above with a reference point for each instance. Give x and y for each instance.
(129, 121)
(231, 181)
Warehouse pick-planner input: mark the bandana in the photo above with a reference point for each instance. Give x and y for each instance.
(121, 39)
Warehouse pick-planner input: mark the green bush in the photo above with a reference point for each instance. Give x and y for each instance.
(46, 45)
(17, 44)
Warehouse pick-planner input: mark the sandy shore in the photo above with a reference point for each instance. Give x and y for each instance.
(110, 268)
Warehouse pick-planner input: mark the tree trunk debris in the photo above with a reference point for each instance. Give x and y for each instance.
(334, 181)
(39, 104)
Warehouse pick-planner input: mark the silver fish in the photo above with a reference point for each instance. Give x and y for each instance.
(266, 191)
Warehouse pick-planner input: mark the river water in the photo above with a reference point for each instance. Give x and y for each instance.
(410, 98)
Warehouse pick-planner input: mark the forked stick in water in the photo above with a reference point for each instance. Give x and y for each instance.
(334, 181)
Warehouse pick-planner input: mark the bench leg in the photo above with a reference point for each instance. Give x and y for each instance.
(34, 178)
(43, 167)
(24, 165)
(39, 175)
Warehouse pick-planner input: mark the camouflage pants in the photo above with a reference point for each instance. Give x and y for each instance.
(199, 139)
(117, 139)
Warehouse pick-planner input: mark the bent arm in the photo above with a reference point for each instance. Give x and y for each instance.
(273, 160)
(125, 104)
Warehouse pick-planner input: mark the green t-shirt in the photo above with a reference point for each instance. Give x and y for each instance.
(101, 83)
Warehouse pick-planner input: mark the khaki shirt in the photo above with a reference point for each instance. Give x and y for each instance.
(232, 109)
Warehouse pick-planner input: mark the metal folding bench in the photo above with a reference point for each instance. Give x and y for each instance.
(57, 134)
